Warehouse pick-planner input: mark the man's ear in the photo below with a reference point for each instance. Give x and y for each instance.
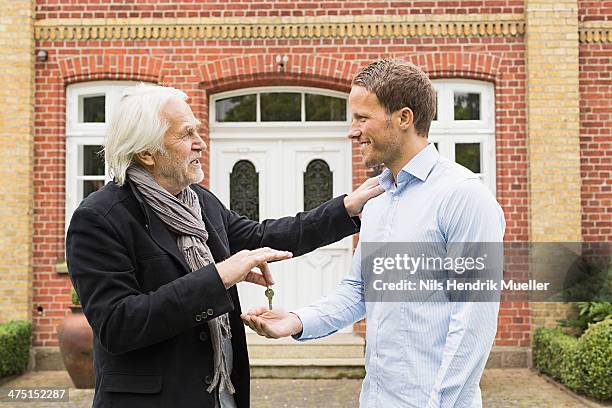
(145, 158)
(406, 118)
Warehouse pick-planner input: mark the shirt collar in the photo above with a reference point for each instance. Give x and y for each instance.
(420, 166)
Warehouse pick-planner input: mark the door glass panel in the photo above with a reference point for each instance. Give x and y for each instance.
(318, 184)
(244, 190)
(236, 109)
(93, 163)
(467, 106)
(281, 107)
(322, 108)
(468, 155)
(89, 186)
(92, 109)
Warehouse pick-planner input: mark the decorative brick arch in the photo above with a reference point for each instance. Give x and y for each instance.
(470, 65)
(112, 67)
(261, 70)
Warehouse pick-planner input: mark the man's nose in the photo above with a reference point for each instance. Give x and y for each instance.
(199, 141)
(354, 133)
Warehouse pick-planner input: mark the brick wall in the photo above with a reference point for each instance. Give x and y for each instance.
(595, 10)
(596, 141)
(202, 67)
(16, 120)
(236, 8)
(182, 67)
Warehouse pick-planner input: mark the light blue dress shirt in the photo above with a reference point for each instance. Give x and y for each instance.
(428, 354)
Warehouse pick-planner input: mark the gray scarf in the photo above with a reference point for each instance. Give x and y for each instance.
(183, 216)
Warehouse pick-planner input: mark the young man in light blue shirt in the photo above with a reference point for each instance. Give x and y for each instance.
(418, 354)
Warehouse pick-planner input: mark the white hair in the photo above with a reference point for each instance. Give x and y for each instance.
(137, 125)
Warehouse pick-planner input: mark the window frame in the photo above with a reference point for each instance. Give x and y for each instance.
(79, 134)
(276, 89)
(447, 132)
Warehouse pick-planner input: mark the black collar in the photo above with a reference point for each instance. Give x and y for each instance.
(167, 241)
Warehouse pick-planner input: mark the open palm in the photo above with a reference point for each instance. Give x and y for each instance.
(272, 323)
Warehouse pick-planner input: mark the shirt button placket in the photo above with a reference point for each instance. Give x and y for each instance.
(390, 216)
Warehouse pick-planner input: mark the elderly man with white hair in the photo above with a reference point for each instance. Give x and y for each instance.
(155, 259)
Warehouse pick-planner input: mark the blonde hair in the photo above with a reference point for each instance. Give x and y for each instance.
(137, 125)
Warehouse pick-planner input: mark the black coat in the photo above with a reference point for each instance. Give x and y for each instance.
(149, 314)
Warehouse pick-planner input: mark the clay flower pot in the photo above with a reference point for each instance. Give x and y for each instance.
(76, 344)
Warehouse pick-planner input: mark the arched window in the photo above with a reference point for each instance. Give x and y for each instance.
(464, 127)
(88, 110)
(318, 184)
(282, 105)
(244, 190)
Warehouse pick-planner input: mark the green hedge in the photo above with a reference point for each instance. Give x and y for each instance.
(583, 364)
(555, 354)
(595, 358)
(14, 347)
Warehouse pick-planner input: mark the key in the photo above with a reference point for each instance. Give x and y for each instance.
(269, 294)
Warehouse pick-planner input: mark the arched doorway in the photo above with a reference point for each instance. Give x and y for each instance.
(275, 151)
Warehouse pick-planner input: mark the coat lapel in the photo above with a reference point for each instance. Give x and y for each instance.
(162, 236)
(158, 231)
(167, 241)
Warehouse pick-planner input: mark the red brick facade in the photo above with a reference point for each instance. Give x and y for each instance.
(267, 8)
(203, 67)
(596, 127)
(596, 141)
(595, 10)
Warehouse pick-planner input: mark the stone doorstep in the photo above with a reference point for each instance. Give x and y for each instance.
(334, 339)
(338, 346)
(340, 355)
(308, 368)
(307, 362)
(307, 372)
(50, 359)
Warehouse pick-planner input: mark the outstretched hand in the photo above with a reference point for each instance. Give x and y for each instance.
(355, 201)
(273, 324)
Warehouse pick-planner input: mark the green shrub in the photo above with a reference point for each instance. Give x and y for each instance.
(583, 314)
(583, 364)
(15, 340)
(595, 360)
(556, 354)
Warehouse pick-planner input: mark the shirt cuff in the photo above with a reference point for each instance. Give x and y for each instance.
(310, 319)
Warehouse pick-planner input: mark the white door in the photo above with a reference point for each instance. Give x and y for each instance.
(280, 164)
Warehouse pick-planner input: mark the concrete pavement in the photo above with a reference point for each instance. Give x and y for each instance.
(501, 388)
